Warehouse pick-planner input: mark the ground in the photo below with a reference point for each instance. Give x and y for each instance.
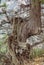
(37, 61)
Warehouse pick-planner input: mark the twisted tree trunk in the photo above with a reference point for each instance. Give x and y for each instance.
(19, 53)
(33, 26)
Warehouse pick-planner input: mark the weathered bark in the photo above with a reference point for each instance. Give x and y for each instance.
(33, 26)
(21, 31)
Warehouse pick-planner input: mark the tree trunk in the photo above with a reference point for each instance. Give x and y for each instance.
(17, 55)
(33, 26)
(36, 11)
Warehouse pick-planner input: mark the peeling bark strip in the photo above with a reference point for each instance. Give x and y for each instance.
(20, 55)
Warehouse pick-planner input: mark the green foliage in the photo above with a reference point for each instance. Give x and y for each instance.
(36, 53)
(42, 1)
(3, 5)
(3, 46)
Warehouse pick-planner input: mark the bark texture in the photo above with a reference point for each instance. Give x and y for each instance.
(18, 50)
(33, 26)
